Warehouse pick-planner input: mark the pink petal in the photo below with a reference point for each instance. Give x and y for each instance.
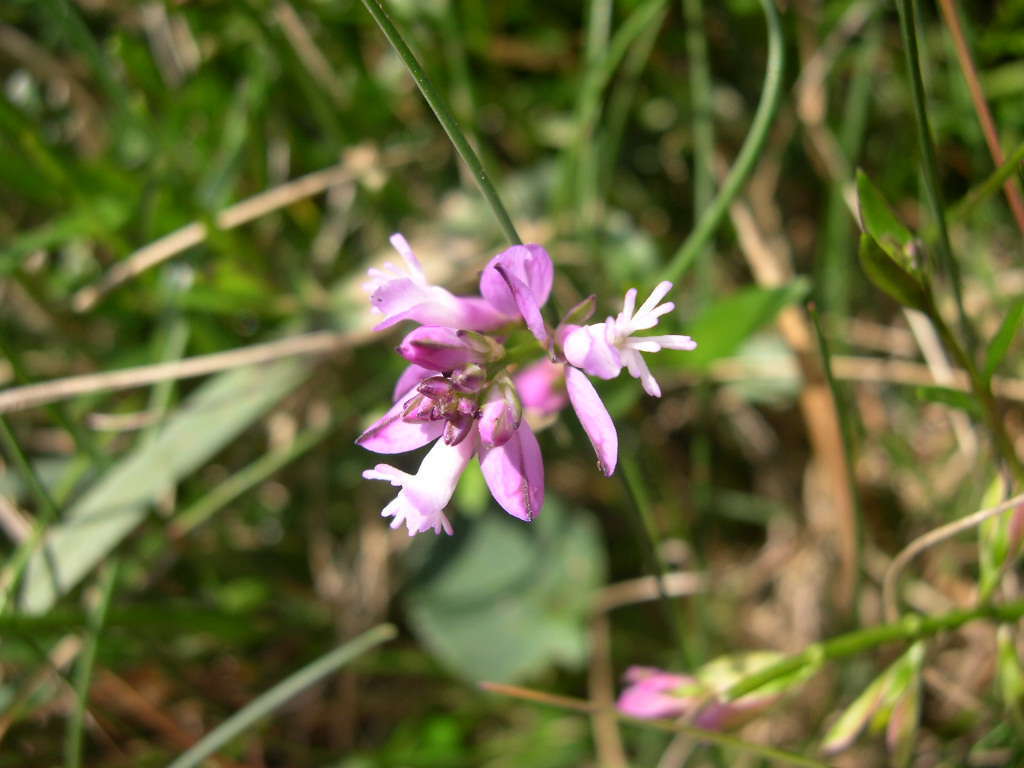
(390, 434)
(410, 377)
(595, 419)
(452, 311)
(437, 348)
(588, 348)
(530, 264)
(527, 305)
(515, 474)
(541, 387)
(650, 694)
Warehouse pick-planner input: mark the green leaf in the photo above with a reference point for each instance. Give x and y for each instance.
(954, 398)
(878, 220)
(212, 417)
(503, 599)
(1000, 344)
(997, 539)
(888, 253)
(905, 284)
(851, 722)
(721, 328)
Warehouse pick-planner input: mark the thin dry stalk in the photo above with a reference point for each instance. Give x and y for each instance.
(601, 691)
(770, 261)
(930, 539)
(988, 125)
(309, 53)
(34, 395)
(357, 164)
(645, 589)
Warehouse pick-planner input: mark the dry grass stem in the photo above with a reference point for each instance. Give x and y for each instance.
(930, 539)
(770, 261)
(357, 164)
(34, 395)
(645, 589)
(601, 690)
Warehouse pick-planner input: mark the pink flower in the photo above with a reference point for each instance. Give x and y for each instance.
(459, 389)
(653, 693)
(421, 502)
(650, 694)
(404, 294)
(603, 348)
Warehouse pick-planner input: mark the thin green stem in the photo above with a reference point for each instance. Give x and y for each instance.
(746, 160)
(699, 735)
(47, 507)
(909, 628)
(85, 666)
(989, 186)
(982, 390)
(703, 129)
(637, 491)
(281, 693)
(444, 116)
(240, 482)
(929, 165)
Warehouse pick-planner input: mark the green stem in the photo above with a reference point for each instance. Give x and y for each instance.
(983, 392)
(909, 628)
(637, 492)
(444, 116)
(281, 693)
(47, 507)
(84, 668)
(746, 160)
(989, 186)
(240, 482)
(703, 129)
(929, 166)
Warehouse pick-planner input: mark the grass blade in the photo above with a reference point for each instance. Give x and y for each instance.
(281, 693)
(84, 668)
(746, 160)
(444, 116)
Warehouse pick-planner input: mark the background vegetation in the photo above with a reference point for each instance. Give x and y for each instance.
(181, 538)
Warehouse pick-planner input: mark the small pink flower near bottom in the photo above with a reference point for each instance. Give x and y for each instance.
(421, 502)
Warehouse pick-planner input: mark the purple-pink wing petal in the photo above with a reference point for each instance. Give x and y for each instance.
(467, 312)
(594, 417)
(389, 434)
(527, 305)
(530, 264)
(515, 474)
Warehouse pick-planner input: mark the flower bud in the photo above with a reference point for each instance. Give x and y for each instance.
(485, 346)
(470, 379)
(501, 414)
(436, 388)
(436, 348)
(418, 408)
(457, 427)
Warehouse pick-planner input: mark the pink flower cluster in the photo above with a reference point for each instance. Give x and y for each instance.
(653, 694)
(477, 364)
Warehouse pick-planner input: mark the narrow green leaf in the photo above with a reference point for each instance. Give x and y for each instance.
(282, 693)
(904, 284)
(954, 398)
(84, 668)
(724, 325)
(118, 502)
(878, 220)
(855, 717)
(1000, 343)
